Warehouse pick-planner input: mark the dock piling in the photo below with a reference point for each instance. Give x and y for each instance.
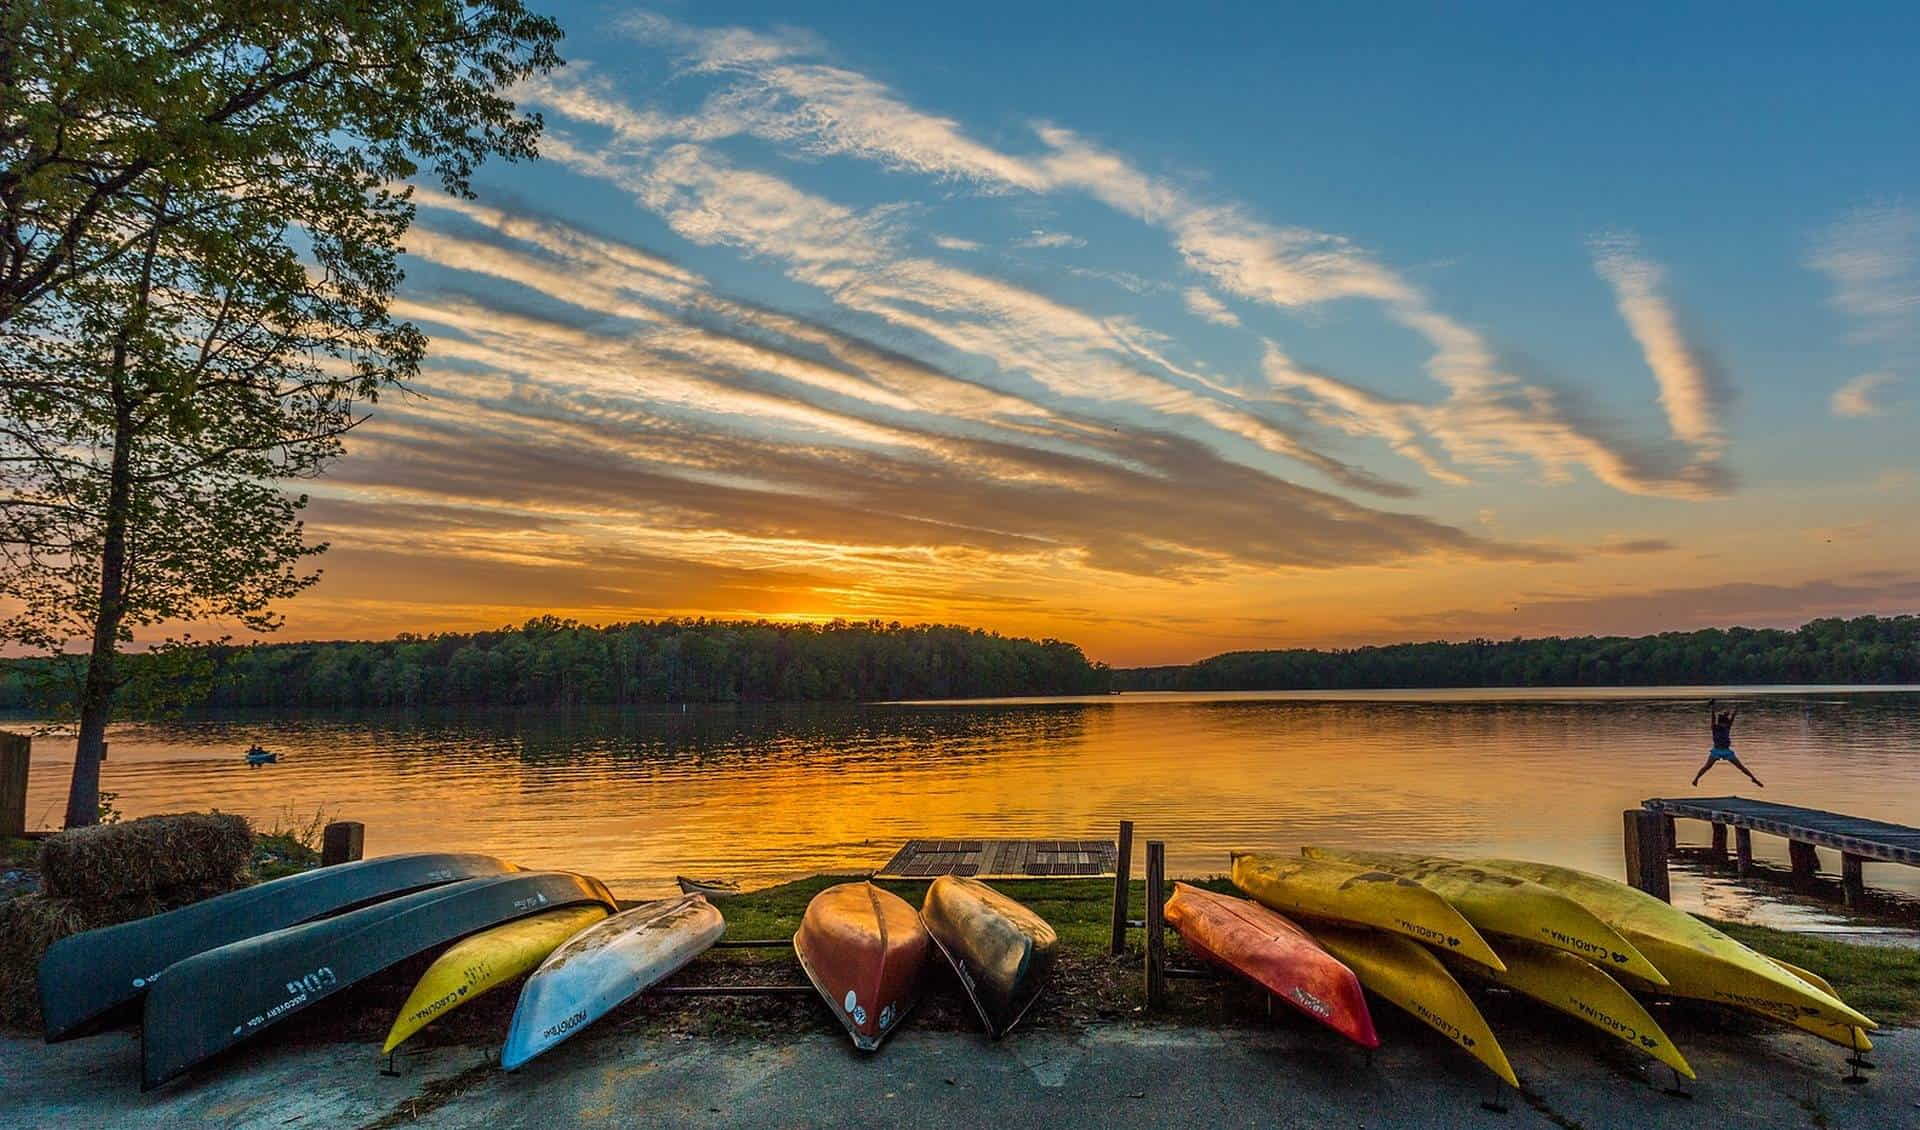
(1743, 851)
(1719, 848)
(1646, 843)
(16, 752)
(1805, 859)
(1853, 880)
(1122, 880)
(1156, 924)
(342, 841)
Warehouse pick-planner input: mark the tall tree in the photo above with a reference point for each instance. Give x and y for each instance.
(199, 228)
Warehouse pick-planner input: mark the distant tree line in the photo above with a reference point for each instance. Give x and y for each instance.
(554, 662)
(1870, 649)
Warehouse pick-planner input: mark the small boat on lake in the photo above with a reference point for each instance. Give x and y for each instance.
(1002, 952)
(712, 888)
(866, 952)
(257, 757)
(603, 967)
(1271, 951)
(214, 1000)
(86, 978)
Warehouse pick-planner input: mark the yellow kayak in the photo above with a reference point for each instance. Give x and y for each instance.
(473, 966)
(1365, 896)
(1699, 961)
(1560, 980)
(1507, 904)
(1854, 1039)
(1414, 979)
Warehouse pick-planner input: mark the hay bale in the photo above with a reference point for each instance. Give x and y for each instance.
(28, 925)
(120, 871)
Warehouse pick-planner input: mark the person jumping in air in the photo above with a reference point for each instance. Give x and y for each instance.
(1722, 724)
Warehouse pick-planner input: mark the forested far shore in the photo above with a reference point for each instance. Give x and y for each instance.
(553, 662)
(1869, 649)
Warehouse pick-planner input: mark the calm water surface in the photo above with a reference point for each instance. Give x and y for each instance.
(764, 793)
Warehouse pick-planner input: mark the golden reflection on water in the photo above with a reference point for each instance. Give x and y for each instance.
(765, 793)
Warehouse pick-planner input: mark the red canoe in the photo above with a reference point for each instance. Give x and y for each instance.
(864, 949)
(1272, 952)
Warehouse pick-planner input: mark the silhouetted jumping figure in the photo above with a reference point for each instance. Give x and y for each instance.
(1722, 724)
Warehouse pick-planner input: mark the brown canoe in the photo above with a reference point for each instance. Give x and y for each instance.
(865, 951)
(1002, 951)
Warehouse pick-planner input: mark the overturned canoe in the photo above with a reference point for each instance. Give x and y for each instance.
(866, 952)
(1363, 896)
(1002, 951)
(214, 1000)
(712, 888)
(88, 977)
(1499, 903)
(475, 966)
(1271, 951)
(1409, 976)
(603, 967)
(1698, 960)
(1583, 991)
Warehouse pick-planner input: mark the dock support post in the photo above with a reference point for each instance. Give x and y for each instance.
(1853, 880)
(342, 842)
(1719, 848)
(1156, 924)
(1672, 832)
(1122, 881)
(1805, 859)
(1743, 851)
(16, 751)
(1646, 842)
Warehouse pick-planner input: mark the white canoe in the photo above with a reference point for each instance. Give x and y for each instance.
(604, 966)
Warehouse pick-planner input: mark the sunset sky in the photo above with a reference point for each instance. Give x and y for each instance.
(1171, 330)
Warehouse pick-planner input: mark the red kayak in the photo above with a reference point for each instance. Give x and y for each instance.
(864, 949)
(1272, 952)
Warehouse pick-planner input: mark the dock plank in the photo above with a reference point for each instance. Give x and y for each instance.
(1004, 859)
(1869, 839)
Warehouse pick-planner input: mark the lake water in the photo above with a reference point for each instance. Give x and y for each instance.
(765, 793)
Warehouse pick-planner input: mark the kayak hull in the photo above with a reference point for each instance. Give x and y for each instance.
(1699, 961)
(1583, 991)
(88, 978)
(603, 967)
(1266, 948)
(866, 953)
(212, 1001)
(1002, 952)
(1359, 895)
(1404, 972)
(1498, 903)
(475, 966)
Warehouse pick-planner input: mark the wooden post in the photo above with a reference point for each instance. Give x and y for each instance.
(1646, 839)
(342, 842)
(16, 751)
(1743, 851)
(1156, 924)
(1719, 848)
(1122, 882)
(1853, 879)
(1671, 831)
(1804, 857)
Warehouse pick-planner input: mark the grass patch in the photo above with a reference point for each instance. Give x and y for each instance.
(1881, 981)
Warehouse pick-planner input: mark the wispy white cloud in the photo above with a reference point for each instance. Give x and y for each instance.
(955, 243)
(1861, 396)
(1203, 304)
(1872, 258)
(1040, 237)
(1693, 388)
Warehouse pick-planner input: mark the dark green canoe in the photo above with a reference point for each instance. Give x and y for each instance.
(1002, 951)
(214, 1000)
(89, 978)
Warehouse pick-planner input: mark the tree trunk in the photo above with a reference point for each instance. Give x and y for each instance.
(96, 695)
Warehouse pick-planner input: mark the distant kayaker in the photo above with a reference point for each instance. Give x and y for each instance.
(1722, 725)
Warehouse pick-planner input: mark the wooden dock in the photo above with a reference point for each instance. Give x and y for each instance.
(1858, 840)
(1003, 859)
